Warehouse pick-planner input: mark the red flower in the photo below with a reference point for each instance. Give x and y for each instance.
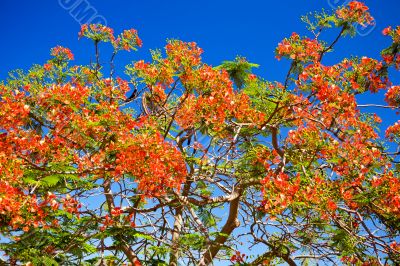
(331, 205)
(62, 53)
(387, 30)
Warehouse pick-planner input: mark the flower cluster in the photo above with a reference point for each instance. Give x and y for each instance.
(183, 53)
(156, 165)
(18, 209)
(366, 74)
(280, 191)
(97, 32)
(355, 12)
(216, 103)
(388, 185)
(392, 32)
(299, 49)
(238, 257)
(391, 55)
(128, 40)
(71, 205)
(393, 132)
(62, 53)
(392, 96)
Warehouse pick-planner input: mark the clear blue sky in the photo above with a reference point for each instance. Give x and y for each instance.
(223, 28)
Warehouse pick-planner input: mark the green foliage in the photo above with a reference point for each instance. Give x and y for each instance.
(238, 70)
(319, 20)
(194, 241)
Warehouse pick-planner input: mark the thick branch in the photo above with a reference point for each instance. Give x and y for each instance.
(274, 133)
(175, 237)
(129, 253)
(231, 223)
(174, 255)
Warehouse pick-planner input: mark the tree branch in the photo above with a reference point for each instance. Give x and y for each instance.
(231, 223)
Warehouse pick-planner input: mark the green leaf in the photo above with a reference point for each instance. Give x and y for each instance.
(238, 70)
(141, 235)
(51, 180)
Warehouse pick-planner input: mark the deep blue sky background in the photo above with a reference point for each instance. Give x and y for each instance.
(223, 28)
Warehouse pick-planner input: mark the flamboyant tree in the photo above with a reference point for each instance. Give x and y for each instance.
(177, 162)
